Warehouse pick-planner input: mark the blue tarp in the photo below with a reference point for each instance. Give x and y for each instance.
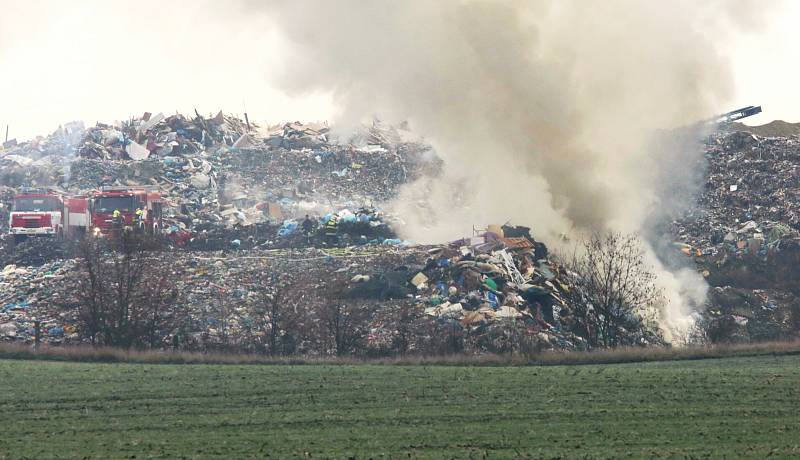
(15, 306)
(397, 242)
(288, 227)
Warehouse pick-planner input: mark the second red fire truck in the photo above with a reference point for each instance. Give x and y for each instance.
(125, 208)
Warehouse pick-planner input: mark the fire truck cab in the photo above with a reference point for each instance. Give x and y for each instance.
(125, 202)
(47, 212)
(36, 212)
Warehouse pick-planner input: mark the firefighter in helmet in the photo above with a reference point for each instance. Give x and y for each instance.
(116, 217)
(332, 231)
(139, 219)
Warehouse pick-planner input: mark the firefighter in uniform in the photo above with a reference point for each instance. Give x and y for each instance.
(332, 230)
(116, 218)
(139, 220)
(308, 228)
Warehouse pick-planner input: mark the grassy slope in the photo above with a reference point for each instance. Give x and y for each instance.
(734, 407)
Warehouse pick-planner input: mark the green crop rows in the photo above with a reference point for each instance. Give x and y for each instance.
(722, 408)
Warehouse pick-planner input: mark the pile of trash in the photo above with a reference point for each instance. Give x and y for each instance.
(219, 173)
(366, 226)
(150, 134)
(237, 196)
(38, 294)
(478, 286)
(750, 201)
(297, 136)
(744, 237)
(743, 315)
(42, 161)
(486, 289)
(31, 252)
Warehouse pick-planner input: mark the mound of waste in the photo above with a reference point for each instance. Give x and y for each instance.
(744, 236)
(221, 173)
(484, 293)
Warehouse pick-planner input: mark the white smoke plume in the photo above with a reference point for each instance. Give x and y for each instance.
(543, 111)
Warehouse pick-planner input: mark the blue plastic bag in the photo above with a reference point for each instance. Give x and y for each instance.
(287, 228)
(492, 299)
(15, 306)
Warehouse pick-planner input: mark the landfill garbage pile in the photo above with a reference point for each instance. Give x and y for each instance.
(485, 293)
(490, 289)
(220, 173)
(30, 294)
(31, 252)
(743, 315)
(211, 162)
(751, 193)
(237, 197)
(6, 197)
(227, 184)
(303, 180)
(43, 161)
(366, 226)
(137, 139)
(89, 174)
(745, 236)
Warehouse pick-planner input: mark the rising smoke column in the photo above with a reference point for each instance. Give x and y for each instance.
(544, 112)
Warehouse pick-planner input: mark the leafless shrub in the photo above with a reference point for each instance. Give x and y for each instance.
(345, 325)
(615, 299)
(404, 337)
(276, 315)
(126, 294)
(446, 338)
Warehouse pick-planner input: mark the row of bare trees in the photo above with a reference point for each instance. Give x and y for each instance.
(126, 289)
(289, 317)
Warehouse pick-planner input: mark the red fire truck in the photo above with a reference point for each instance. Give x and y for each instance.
(48, 212)
(125, 202)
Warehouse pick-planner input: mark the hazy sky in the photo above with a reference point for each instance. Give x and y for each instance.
(109, 60)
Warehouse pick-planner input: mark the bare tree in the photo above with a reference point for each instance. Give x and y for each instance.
(345, 324)
(91, 284)
(441, 337)
(404, 335)
(276, 315)
(615, 300)
(126, 295)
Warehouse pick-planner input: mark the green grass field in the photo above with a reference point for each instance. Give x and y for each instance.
(736, 407)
